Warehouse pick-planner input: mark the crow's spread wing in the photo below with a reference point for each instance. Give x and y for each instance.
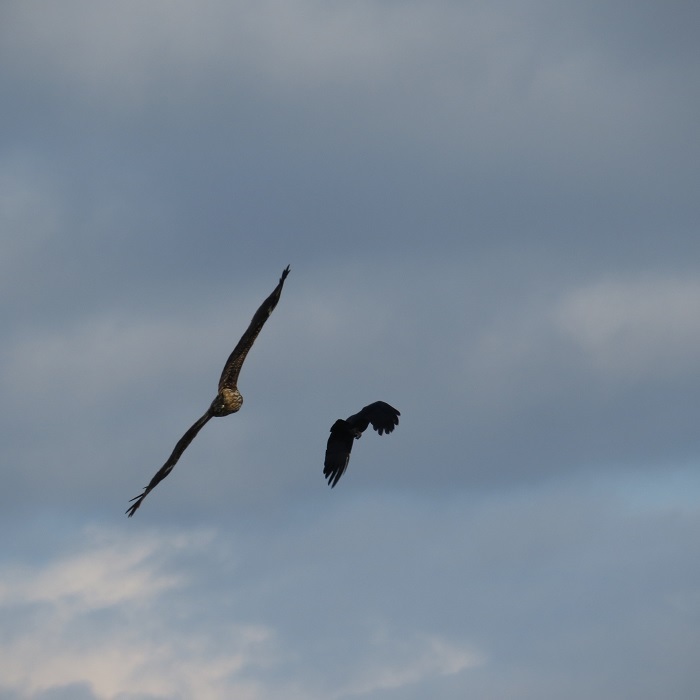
(338, 451)
(383, 417)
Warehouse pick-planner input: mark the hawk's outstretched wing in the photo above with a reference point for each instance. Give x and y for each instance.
(181, 446)
(232, 368)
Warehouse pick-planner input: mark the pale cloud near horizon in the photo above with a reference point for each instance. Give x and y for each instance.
(131, 617)
(85, 615)
(109, 588)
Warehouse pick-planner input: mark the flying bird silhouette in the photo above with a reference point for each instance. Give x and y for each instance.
(383, 417)
(229, 399)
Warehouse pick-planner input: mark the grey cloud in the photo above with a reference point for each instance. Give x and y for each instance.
(490, 213)
(74, 691)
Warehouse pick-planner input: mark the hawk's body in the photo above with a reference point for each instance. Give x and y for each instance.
(228, 399)
(383, 417)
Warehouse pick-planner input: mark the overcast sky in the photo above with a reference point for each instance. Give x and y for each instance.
(491, 212)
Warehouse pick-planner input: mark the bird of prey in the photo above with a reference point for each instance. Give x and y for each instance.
(228, 399)
(383, 417)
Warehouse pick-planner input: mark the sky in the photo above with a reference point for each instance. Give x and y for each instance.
(490, 211)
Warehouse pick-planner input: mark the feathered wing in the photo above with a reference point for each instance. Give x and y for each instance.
(383, 417)
(232, 368)
(338, 450)
(181, 446)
